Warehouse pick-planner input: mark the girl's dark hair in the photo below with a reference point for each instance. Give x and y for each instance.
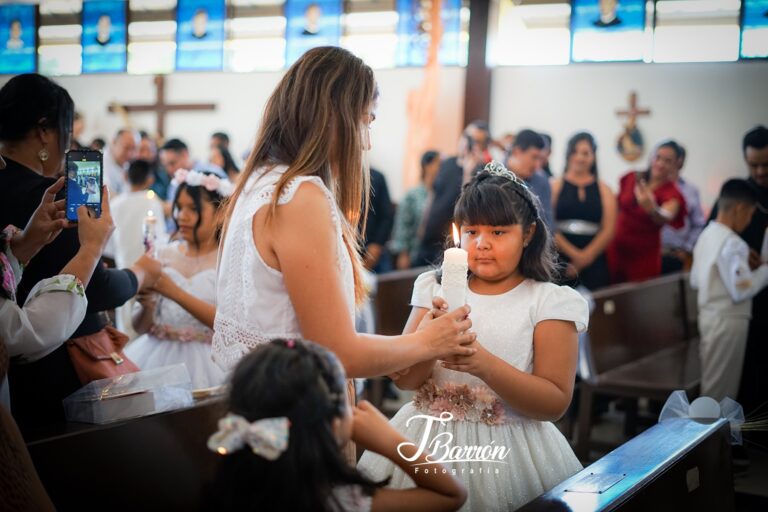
(499, 201)
(196, 193)
(571, 149)
(32, 100)
(427, 158)
(229, 163)
(304, 382)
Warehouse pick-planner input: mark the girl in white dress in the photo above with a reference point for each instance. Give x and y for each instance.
(502, 396)
(282, 449)
(176, 318)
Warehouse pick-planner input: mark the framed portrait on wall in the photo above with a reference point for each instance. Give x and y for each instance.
(200, 35)
(311, 23)
(754, 29)
(18, 39)
(104, 38)
(607, 30)
(414, 30)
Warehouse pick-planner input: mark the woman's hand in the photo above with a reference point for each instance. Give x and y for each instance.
(371, 429)
(43, 227)
(644, 196)
(147, 299)
(93, 232)
(581, 259)
(164, 285)
(449, 334)
(147, 270)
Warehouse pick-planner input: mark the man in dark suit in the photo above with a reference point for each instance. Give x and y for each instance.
(454, 171)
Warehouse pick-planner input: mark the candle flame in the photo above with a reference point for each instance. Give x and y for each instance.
(456, 238)
(150, 194)
(150, 213)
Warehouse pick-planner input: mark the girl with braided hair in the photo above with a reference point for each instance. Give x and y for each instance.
(489, 415)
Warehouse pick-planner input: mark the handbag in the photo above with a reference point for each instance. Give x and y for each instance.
(100, 355)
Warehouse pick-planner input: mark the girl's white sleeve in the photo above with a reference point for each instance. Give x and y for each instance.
(425, 288)
(561, 303)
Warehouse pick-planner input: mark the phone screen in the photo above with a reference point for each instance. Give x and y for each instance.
(84, 179)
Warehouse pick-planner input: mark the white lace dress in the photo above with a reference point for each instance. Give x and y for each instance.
(253, 303)
(539, 456)
(176, 336)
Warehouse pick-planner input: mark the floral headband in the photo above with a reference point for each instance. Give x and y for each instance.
(267, 438)
(209, 182)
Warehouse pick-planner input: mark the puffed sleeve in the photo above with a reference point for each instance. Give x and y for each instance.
(425, 289)
(562, 303)
(51, 313)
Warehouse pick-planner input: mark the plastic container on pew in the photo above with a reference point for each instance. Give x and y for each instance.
(131, 395)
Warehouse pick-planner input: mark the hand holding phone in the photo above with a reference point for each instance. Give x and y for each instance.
(85, 177)
(94, 232)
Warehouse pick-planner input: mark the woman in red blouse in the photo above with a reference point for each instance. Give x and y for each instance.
(647, 200)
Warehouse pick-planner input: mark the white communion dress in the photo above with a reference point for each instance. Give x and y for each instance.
(176, 336)
(538, 456)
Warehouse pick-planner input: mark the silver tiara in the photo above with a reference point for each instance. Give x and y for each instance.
(495, 168)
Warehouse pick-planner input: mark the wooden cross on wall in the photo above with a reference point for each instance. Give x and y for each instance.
(633, 111)
(160, 107)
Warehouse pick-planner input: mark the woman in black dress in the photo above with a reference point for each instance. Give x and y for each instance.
(35, 128)
(585, 215)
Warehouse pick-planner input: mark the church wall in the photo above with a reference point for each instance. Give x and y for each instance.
(240, 99)
(707, 107)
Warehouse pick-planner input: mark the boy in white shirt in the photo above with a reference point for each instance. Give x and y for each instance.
(725, 285)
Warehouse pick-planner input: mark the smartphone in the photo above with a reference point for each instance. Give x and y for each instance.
(85, 175)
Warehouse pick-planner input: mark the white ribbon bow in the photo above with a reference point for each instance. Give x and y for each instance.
(704, 407)
(267, 438)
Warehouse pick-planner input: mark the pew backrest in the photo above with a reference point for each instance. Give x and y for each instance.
(392, 300)
(634, 320)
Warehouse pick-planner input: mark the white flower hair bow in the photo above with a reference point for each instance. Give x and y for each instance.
(267, 438)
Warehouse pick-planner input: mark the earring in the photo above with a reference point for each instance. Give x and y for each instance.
(43, 155)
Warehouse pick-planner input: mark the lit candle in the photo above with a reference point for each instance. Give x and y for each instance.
(149, 230)
(454, 280)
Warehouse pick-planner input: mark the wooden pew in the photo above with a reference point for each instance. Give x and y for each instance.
(673, 466)
(392, 301)
(641, 344)
(158, 462)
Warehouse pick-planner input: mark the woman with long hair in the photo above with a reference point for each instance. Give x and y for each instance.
(289, 264)
(585, 215)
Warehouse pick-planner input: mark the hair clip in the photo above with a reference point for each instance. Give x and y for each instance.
(290, 343)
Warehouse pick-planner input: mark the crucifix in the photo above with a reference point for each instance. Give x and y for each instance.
(633, 111)
(160, 107)
(630, 143)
